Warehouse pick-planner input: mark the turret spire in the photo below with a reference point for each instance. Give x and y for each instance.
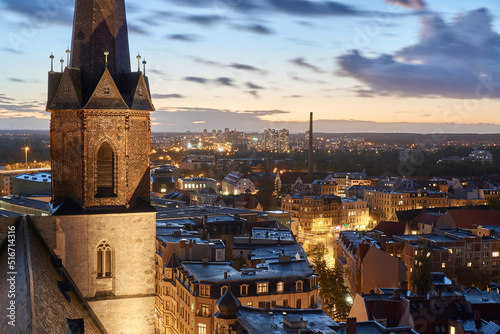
(98, 26)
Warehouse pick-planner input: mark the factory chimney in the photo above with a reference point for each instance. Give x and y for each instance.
(310, 151)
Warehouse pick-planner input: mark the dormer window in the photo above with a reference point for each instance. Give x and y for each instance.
(243, 289)
(299, 285)
(280, 287)
(106, 90)
(140, 91)
(223, 290)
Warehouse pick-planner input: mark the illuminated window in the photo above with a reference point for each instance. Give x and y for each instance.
(205, 310)
(261, 287)
(469, 264)
(280, 287)
(202, 328)
(204, 290)
(250, 304)
(495, 254)
(443, 265)
(104, 260)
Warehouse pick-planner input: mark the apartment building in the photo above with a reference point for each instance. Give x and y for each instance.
(317, 214)
(385, 203)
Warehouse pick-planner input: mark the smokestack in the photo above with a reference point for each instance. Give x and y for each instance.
(310, 153)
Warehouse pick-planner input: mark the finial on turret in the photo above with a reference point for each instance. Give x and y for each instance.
(62, 64)
(68, 52)
(51, 62)
(144, 66)
(106, 54)
(138, 62)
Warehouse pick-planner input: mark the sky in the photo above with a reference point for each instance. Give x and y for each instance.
(360, 66)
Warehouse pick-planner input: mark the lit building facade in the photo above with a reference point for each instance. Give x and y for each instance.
(386, 203)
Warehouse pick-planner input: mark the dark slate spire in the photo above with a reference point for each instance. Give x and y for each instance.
(99, 26)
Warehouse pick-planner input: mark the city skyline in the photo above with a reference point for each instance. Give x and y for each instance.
(254, 65)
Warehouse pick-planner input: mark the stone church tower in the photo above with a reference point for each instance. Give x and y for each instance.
(100, 144)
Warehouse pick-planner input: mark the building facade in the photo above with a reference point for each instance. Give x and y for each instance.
(385, 203)
(317, 214)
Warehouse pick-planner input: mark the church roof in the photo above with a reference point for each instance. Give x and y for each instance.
(46, 299)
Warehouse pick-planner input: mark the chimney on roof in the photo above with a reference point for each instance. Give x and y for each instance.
(383, 241)
(396, 294)
(403, 285)
(310, 151)
(351, 326)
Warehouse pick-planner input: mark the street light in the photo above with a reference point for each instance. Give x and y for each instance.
(26, 155)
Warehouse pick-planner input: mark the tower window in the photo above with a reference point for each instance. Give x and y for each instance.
(106, 90)
(105, 171)
(66, 89)
(104, 260)
(140, 91)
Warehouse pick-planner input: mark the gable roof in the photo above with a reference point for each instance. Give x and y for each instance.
(390, 228)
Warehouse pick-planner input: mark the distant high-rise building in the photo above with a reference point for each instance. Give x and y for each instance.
(205, 133)
(284, 140)
(270, 140)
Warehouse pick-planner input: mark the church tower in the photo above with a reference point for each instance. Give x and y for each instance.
(100, 135)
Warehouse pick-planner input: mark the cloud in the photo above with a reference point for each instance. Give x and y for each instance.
(254, 93)
(135, 29)
(167, 96)
(300, 61)
(183, 37)
(411, 4)
(199, 122)
(15, 109)
(238, 66)
(459, 59)
(16, 80)
(203, 20)
(225, 81)
(35, 10)
(314, 8)
(245, 67)
(253, 86)
(265, 112)
(197, 80)
(294, 96)
(255, 28)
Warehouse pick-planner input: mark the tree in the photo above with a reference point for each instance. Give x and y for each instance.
(421, 276)
(494, 203)
(333, 290)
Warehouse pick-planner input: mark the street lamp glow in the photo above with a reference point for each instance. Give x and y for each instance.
(26, 149)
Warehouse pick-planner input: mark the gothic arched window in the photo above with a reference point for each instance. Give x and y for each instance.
(104, 260)
(105, 171)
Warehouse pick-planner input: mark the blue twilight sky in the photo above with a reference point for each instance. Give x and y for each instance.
(375, 66)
